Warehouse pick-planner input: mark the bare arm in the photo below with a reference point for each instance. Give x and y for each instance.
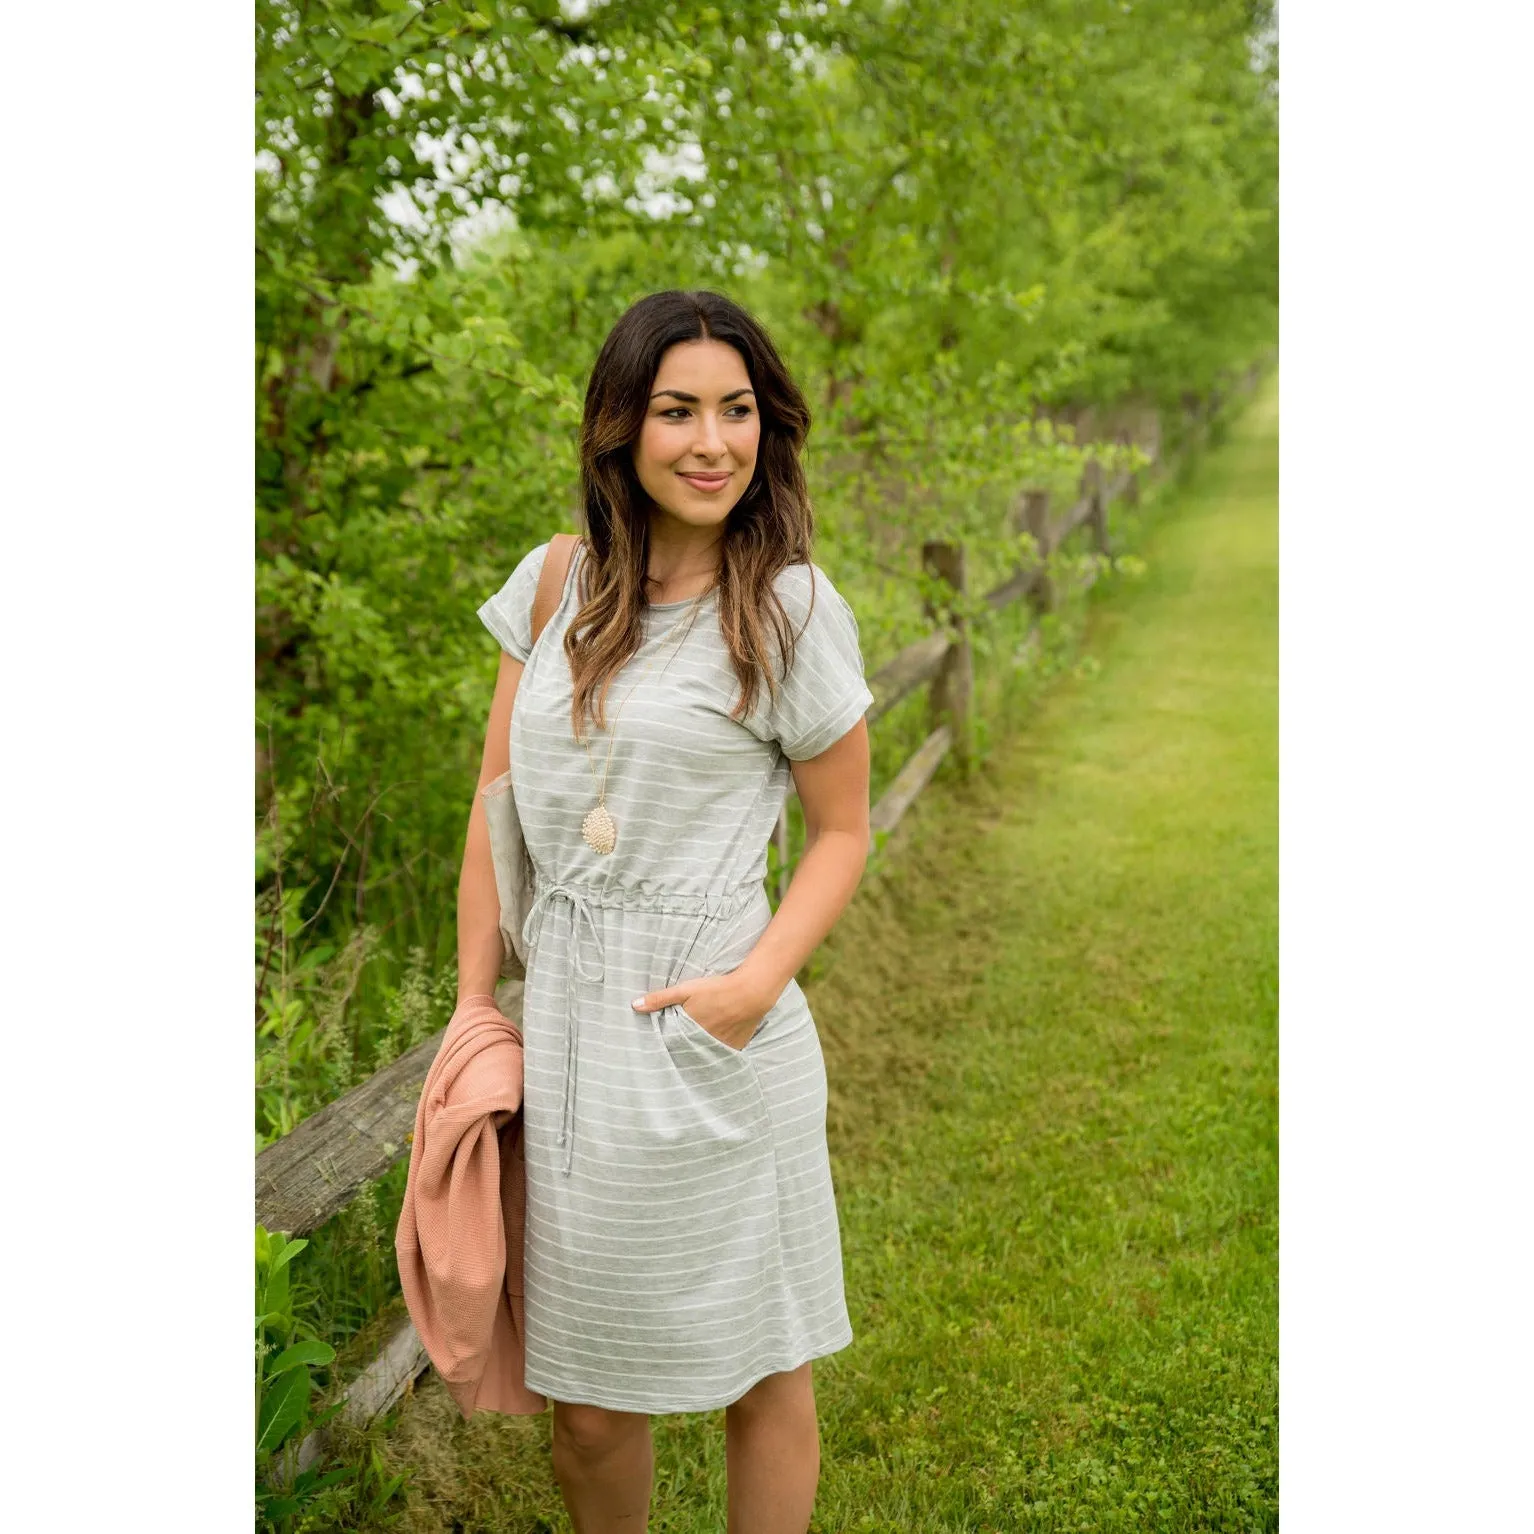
(833, 789)
(480, 951)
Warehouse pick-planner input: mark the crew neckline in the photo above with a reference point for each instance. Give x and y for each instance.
(663, 607)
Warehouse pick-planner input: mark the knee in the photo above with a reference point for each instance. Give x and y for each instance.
(788, 1395)
(593, 1432)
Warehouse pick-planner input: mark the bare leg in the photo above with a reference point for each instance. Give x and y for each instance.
(603, 1461)
(772, 1453)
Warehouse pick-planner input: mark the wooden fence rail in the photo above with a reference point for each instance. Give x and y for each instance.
(309, 1175)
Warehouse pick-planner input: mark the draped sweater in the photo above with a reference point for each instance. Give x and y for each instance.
(459, 1238)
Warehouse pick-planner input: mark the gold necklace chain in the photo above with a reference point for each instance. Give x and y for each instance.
(598, 828)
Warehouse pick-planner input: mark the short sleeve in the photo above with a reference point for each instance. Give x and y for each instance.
(509, 613)
(824, 694)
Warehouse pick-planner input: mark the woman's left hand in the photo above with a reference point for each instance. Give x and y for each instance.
(729, 1006)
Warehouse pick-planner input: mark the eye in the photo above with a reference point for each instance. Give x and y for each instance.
(676, 412)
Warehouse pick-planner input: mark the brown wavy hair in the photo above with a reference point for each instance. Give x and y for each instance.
(767, 530)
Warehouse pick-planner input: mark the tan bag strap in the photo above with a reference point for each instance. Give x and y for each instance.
(551, 580)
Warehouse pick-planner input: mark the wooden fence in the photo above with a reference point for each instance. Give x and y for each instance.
(312, 1173)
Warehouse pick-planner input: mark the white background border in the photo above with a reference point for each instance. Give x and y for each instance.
(1406, 773)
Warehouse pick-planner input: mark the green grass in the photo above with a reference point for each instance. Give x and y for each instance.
(1050, 1025)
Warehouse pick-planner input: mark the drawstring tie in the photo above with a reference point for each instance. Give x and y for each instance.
(579, 907)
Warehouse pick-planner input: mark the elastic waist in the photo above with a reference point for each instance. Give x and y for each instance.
(582, 899)
(717, 902)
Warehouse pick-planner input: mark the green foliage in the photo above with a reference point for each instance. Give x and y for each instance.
(950, 215)
(283, 1390)
(324, 1496)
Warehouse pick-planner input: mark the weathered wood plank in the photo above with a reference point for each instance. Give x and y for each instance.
(951, 689)
(1014, 589)
(371, 1394)
(1085, 507)
(919, 662)
(305, 1177)
(910, 780)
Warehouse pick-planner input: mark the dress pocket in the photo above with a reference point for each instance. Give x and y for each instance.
(718, 945)
(715, 1097)
(693, 1026)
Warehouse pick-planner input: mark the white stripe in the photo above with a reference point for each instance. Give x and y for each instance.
(577, 1275)
(822, 1256)
(619, 1350)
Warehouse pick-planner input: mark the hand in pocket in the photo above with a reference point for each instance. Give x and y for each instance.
(729, 1006)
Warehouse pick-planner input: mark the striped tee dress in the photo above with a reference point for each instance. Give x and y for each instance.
(681, 1239)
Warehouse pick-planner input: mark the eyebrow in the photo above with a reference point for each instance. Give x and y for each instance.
(692, 399)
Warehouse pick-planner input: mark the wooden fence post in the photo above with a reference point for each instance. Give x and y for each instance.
(1131, 492)
(1036, 521)
(1097, 517)
(953, 686)
(1129, 489)
(1194, 429)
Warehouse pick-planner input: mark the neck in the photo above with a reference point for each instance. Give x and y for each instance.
(684, 561)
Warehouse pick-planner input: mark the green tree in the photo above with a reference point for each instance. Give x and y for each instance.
(949, 214)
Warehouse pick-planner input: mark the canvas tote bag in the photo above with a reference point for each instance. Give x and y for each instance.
(508, 851)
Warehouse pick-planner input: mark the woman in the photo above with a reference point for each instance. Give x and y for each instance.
(681, 1248)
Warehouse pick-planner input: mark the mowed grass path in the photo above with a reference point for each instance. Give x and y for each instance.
(1050, 1029)
(1063, 1263)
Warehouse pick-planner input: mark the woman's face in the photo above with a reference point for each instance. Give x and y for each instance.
(696, 451)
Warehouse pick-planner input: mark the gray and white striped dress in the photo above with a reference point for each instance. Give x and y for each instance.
(681, 1237)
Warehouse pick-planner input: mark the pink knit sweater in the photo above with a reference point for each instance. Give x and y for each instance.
(459, 1238)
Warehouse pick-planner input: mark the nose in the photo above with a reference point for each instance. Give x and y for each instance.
(710, 440)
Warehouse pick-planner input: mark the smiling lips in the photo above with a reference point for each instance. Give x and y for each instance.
(707, 483)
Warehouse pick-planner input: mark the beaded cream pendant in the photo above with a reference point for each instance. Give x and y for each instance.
(599, 829)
